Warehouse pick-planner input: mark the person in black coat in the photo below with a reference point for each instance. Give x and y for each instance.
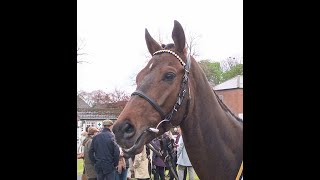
(104, 153)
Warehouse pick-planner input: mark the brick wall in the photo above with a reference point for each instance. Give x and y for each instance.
(233, 98)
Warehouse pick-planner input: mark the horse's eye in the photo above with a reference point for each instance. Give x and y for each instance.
(169, 76)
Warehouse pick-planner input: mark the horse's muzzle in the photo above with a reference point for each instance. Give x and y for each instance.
(124, 130)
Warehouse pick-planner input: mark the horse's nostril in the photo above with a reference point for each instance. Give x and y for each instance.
(128, 130)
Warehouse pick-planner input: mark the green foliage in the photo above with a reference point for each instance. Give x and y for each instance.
(232, 72)
(217, 72)
(79, 166)
(212, 70)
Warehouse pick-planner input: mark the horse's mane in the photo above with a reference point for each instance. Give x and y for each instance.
(225, 107)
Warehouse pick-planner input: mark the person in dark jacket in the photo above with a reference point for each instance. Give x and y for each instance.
(104, 153)
(157, 161)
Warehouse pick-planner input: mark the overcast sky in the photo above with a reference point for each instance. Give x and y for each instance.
(111, 33)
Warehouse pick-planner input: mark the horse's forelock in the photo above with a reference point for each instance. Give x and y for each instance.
(168, 46)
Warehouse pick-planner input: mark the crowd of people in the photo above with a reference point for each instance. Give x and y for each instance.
(104, 160)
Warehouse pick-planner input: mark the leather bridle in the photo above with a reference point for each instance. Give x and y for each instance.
(183, 89)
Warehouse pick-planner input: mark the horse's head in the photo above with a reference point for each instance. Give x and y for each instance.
(161, 87)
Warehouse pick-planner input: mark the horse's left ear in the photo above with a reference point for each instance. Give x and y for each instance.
(152, 45)
(178, 37)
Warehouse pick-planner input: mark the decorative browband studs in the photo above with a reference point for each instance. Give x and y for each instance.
(171, 52)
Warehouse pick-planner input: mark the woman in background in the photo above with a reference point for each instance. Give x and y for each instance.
(122, 168)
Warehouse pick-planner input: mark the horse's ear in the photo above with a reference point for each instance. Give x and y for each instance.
(178, 37)
(153, 46)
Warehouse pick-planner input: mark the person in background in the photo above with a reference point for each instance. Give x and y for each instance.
(81, 146)
(149, 157)
(82, 138)
(104, 153)
(157, 161)
(183, 161)
(88, 165)
(130, 173)
(140, 165)
(176, 145)
(168, 144)
(122, 168)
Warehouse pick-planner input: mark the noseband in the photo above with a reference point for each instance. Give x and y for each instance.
(183, 89)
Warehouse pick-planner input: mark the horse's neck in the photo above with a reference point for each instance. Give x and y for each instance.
(213, 137)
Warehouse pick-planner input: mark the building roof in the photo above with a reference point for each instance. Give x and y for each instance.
(236, 82)
(81, 103)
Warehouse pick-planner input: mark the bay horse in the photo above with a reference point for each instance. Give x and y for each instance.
(173, 90)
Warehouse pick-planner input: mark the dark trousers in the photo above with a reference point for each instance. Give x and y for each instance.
(159, 172)
(149, 169)
(109, 176)
(185, 174)
(122, 175)
(170, 173)
(92, 178)
(172, 176)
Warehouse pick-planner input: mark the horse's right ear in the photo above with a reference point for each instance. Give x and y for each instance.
(178, 37)
(153, 46)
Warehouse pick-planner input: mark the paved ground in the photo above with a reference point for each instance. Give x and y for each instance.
(79, 177)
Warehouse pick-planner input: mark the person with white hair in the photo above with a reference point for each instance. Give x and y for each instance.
(81, 148)
(82, 137)
(175, 130)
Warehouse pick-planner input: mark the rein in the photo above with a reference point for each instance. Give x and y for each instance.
(240, 174)
(182, 92)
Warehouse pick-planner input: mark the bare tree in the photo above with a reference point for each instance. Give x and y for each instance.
(99, 98)
(230, 62)
(192, 44)
(160, 38)
(118, 95)
(80, 46)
